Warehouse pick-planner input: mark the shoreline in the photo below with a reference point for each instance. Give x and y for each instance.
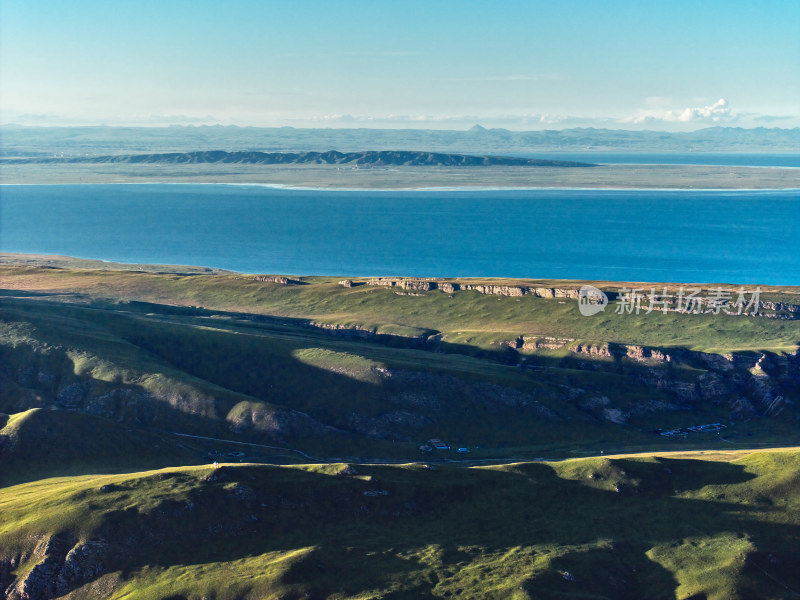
(413, 178)
(451, 188)
(61, 261)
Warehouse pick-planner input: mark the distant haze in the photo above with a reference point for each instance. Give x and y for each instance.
(673, 66)
(65, 142)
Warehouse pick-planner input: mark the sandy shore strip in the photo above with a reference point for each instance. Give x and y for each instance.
(297, 188)
(316, 178)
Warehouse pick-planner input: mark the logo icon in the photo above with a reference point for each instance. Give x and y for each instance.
(591, 300)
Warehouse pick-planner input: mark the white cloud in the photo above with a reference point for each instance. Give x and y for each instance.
(718, 112)
(665, 118)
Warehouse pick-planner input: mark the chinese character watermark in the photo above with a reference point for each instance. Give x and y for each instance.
(693, 300)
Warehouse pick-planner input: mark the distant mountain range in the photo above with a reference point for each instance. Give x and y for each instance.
(381, 158)
(20, 141)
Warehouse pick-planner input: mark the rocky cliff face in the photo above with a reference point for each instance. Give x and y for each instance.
(764, 308)
(399, 406)
(63, 564)
(750, 384)
(451, 286)
(275, 279)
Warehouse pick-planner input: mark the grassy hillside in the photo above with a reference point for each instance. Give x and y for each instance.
(650, 526)
(42, 443)
(463, 317)
(284, 385)
(119, 388)
(364, 372)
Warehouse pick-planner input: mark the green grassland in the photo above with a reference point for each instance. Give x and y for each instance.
(288, 385)
(40, 443)
(228, 357)
(281, 382)
(464, 317)
(645, 527)
(119, 388)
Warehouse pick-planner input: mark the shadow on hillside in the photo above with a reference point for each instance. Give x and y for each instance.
(609, 375)
(10, 293)
(597, 539)
(58, 443)
(429, 341)
(272, 397)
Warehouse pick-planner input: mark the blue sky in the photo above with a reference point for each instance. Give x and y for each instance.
(433, 64)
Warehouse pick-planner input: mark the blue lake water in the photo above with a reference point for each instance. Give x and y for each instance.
(687, 236)
(740, 159)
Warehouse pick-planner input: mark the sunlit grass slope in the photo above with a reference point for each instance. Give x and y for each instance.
(646, 527)
(462, 317)
(286, 385)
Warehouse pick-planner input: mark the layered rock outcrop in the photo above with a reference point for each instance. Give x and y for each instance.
(275, 279)
(451, 286)
(672, 303)
(65, 563)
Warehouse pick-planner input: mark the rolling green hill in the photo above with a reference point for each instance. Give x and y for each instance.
(38, 443)
(371, 371)
(118, 389)
(645, 527)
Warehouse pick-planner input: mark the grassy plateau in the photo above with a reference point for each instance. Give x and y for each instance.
(176, 432)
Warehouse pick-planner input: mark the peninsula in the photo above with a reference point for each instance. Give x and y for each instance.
(388, 159)
(383, 170)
